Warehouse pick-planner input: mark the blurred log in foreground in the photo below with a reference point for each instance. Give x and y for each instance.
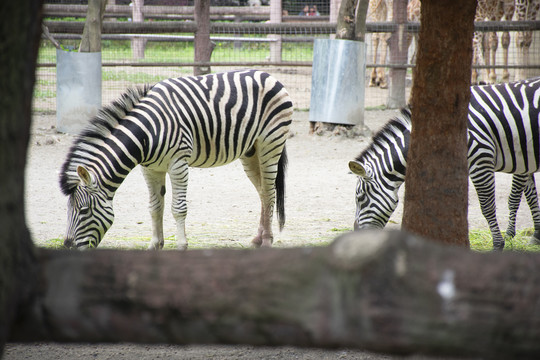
(389, 292)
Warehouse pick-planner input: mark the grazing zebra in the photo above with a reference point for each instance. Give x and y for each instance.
(202, 121)
(503, 136)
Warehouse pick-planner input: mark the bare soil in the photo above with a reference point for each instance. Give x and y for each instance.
(223, 210)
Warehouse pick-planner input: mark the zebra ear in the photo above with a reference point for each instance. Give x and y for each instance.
(357, 168)
(85, 176)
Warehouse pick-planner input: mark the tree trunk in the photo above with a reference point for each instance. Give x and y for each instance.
(436, 185)
(346, 20)
(380, 291)
(202, 43)
(351, 21)
(20, 33)
(361, 15)
(91, 38)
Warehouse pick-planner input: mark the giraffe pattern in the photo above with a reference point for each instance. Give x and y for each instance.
(485, 45)
(525, 10)
(378, 11)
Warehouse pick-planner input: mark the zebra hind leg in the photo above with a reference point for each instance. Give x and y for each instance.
(518, 184)
(263, 179)
(532, 200)
(156, 189)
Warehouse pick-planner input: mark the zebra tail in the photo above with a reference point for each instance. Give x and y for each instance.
(280, 188)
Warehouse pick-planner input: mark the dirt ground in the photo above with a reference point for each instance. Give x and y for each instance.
(223, 210)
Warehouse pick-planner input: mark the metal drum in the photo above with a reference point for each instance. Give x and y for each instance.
(337, 82)
(78, 89)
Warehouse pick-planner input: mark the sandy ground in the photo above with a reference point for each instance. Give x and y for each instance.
(223, 211)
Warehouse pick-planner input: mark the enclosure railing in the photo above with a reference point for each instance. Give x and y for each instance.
(177, 25)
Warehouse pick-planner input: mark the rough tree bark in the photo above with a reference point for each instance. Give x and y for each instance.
(20, 33)
(386, 292)
(436, 185)
(346, 20)
(91, 38)
(361, 15)
(203, 45)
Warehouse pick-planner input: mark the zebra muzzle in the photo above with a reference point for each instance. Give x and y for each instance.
(68, 243)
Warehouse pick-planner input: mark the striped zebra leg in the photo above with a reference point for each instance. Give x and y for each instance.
(532, 200)
(253, 171)
(261, 167)
(518, 184)
(178, 174)
(484, 182)
(156, 189)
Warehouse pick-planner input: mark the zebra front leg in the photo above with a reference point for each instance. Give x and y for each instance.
(156, 188)
(178, 174)
(518, 184)
(532, 200)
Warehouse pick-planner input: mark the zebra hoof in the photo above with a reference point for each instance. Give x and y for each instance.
(498, 246)
(182, 247)
(509, 234)
(154, 247)
(535, 239)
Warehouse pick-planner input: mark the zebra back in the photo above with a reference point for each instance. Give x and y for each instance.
(504, 120)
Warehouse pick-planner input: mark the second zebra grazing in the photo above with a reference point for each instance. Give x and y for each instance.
(202, 121)
(503, 136)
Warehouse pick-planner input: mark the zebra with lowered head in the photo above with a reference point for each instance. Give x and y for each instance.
(503, 136)
(202, 121)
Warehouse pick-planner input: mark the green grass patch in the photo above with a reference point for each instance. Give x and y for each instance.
(133, 77)
(481, 241)
(225, 51)
(54, 244)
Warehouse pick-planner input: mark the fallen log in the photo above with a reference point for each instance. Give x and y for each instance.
(388, 292)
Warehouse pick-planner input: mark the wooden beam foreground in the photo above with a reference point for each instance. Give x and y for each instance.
(388, 292)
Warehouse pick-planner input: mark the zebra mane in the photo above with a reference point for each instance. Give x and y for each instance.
(98, 129)
(379, 139)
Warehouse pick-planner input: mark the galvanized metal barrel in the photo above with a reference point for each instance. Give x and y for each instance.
(78, 89)
(337, 82)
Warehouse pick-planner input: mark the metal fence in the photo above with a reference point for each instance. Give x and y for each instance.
(161, 46)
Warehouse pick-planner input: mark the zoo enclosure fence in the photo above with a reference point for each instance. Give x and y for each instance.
(245, 37)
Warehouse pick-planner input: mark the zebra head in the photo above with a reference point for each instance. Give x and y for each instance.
(376, 197)
(90, 213)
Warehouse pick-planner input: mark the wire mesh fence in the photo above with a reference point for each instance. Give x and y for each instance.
(246, 34)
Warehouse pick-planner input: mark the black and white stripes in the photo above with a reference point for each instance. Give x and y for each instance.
(202, 121)
(503, 136)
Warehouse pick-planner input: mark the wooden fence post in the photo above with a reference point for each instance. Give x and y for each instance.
(398, 56)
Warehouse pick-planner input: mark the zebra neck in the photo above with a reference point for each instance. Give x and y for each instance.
(112, 160)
